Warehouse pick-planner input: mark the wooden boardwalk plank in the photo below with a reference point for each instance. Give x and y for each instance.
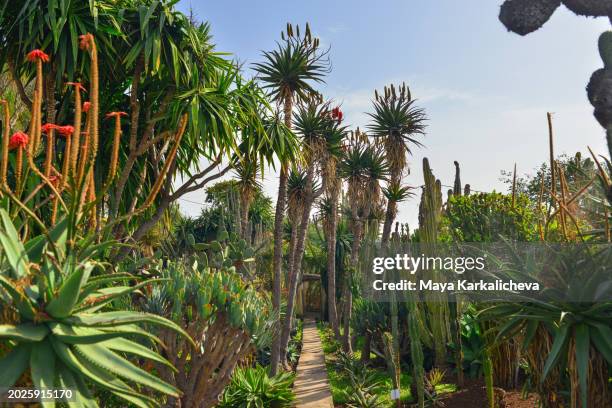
(311, 384)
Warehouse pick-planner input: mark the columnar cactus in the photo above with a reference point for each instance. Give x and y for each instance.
(457, 185)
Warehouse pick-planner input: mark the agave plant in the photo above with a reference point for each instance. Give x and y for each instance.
(575, 315)
(56, 333)
(252, 387)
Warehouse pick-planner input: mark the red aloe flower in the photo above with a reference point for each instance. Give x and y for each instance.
(65, 131)
(77, 85)
(18, 139)
(337, 114)
(85, 41)
(115, 114)
(86, 106)
(37, 55)
(46, 128)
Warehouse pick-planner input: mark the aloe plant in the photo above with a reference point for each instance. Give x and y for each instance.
(228, 318)
(59, 335)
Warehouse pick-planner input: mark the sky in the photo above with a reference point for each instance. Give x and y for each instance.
(486, 91)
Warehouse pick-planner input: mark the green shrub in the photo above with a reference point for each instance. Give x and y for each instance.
(253, 388)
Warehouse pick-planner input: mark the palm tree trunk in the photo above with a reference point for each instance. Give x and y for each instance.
(244, 217)
(278, 244)
(296, 263)
(396, 178)
(348, 284)
(331, 264)
(389, 218)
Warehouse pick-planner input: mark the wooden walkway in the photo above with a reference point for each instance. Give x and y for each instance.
(311, 386)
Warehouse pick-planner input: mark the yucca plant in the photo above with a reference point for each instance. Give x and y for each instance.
(56, 332)
(253, 387)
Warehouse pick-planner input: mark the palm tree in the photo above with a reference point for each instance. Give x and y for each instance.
(396, 121)
(332, 186)
(363, 166)
(288, 73)
(311, 122)
(246, 169)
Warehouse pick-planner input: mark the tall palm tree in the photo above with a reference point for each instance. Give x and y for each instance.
(396, 121)
(288, 73)
(311, 121)
(332, 186)
(363, 166)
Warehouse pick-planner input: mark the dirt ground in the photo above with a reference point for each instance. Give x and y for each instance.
(475, 396)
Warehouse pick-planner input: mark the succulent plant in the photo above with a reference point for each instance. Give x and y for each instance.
(526, 16)
(589, 8)
(58, 336)
(226, 316)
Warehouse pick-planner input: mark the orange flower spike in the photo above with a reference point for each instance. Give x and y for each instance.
(83, 157)
(116, 142)
(66, 132)
(18, 141)
(38, 57)
(88, 43)
(78, 88)
(5, 142)
(49, 130)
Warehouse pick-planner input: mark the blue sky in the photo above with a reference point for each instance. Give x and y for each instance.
(486, 91)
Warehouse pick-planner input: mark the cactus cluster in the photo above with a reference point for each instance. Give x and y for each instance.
(526, 16)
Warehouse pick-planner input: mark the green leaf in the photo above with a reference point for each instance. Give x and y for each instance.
(13, 248)
(583, 344)
(14, 364)
(530, 331)
(26, 332)
(101, 377)
(68, 381)
(559, 344)
(125, 317)
(88, 335)
(601, 339)
(22, 303)
(128, 346)
(106, 298)
(68, 294)
(42, 368)
(118, 365)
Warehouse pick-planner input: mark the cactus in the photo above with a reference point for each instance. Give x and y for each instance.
(589, 8)
(457, 185)
(430, 213)
(526, 16)
(416, 352)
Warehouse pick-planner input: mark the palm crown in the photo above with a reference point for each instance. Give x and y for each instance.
(296, 62)
(396, 119)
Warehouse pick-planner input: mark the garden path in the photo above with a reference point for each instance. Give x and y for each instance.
(311, 385)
